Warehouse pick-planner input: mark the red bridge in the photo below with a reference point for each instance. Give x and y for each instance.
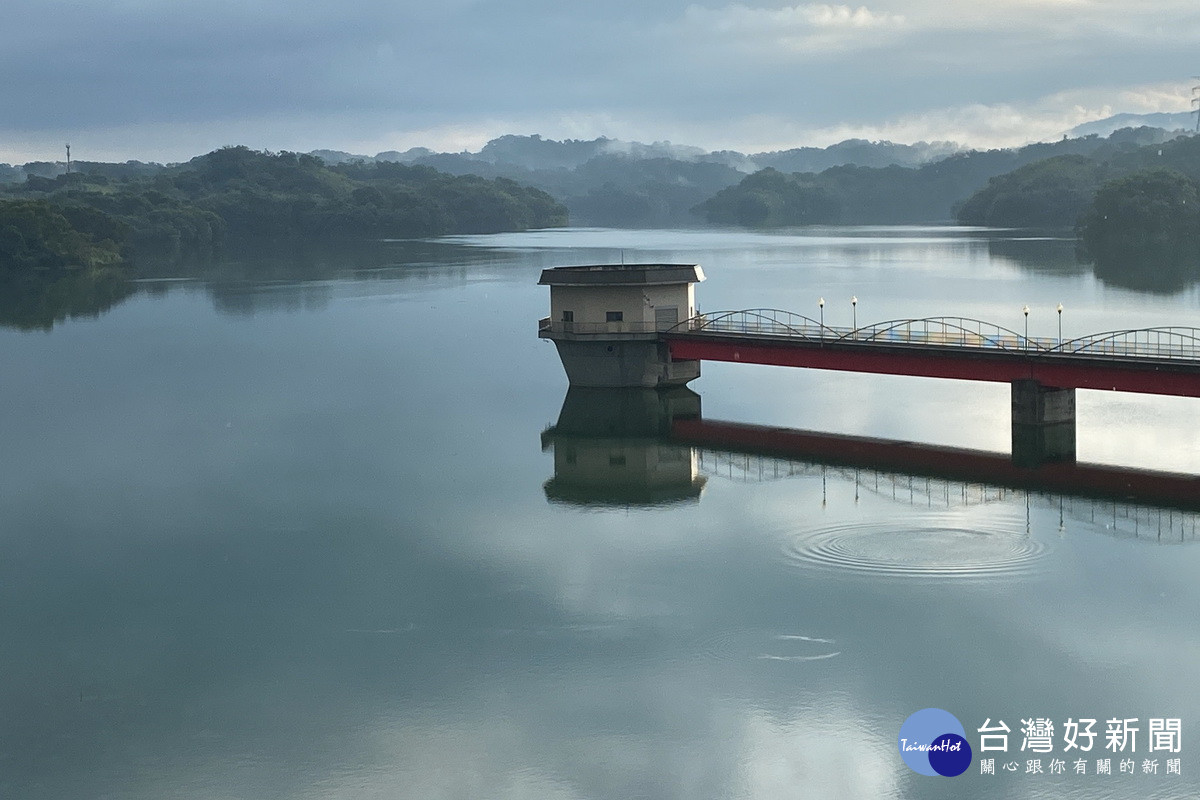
(618, 326)
(1149, 360)
(1044, 373)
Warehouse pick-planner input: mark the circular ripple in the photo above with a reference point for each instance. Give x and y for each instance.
(737, 645)
(920, 550)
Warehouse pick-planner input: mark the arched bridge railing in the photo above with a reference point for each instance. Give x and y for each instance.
(945, 331)
(1174, 343)
(759, 322)
(958, 332)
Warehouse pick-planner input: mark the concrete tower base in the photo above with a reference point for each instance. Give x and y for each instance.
(612, 363)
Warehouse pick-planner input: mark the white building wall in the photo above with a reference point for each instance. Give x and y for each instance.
(681, 296)
(591, 304)
(612, 463)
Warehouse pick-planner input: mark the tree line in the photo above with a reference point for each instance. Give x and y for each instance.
(1131, 199)
(939, 191)
(94, 218)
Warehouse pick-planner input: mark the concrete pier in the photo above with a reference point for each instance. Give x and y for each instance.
(1043, 424)
(598, 361)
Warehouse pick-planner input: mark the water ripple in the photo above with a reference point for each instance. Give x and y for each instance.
(727, 645)
(920, 549)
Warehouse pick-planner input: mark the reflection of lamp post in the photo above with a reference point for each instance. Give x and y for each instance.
(821, 304)
(1060, 323)
(1025, 310)
(854, 312)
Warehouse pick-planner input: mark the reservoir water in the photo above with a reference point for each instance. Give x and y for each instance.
(337, 535)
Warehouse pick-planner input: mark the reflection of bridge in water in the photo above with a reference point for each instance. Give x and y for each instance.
(1118, 517)
(630, 447)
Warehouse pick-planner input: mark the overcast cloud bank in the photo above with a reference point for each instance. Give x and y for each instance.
(164, 80)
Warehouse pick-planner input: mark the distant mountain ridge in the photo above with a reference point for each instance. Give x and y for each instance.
(931, 193)
(614, 183)
(535, 153)
(1180, 120)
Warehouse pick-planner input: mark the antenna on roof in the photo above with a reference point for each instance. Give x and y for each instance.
(1196, 102)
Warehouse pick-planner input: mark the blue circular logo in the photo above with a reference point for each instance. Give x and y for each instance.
(933, 742)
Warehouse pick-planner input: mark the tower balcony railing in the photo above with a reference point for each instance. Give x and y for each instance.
(556, 327)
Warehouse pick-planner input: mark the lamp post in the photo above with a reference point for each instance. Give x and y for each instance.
(854, 313)
(1025, 311)
(821, 305)
(1060, 323)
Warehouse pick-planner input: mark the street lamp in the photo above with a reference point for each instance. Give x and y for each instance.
(854, 312)
(821, 304)
(1060, 323)
(1025, 311)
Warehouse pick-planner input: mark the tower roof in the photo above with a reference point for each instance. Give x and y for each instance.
(622, 275)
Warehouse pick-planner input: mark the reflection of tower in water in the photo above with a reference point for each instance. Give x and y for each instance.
(612, 448)
(647, 447)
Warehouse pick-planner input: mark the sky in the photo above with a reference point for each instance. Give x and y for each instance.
(165, 80)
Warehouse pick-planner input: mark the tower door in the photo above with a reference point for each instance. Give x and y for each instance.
(666, 317)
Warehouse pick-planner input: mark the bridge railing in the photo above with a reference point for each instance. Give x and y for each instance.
(958, 332)
(938, 331)
(947, 332)
(1164, 343)
(760, 322)
(1176, 343)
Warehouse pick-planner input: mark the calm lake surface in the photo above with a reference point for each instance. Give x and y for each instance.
(305, 539)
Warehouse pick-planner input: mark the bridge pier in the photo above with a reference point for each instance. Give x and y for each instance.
(1043, 424)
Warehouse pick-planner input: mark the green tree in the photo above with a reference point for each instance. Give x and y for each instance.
(1145, 228)
(1046, 194)
(37, 240)
(768, 198)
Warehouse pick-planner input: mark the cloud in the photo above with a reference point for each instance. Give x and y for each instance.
(739, 18)
(974, 124)
(800, 29)
(1014, 124)
(163, 80)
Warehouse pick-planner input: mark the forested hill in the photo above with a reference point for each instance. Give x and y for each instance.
(194, 210)
(613, 183)
(894, 194)
(1055, 192)
(1136, 211)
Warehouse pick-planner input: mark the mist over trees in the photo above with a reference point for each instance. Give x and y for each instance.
(611, 183)
(858, 195)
